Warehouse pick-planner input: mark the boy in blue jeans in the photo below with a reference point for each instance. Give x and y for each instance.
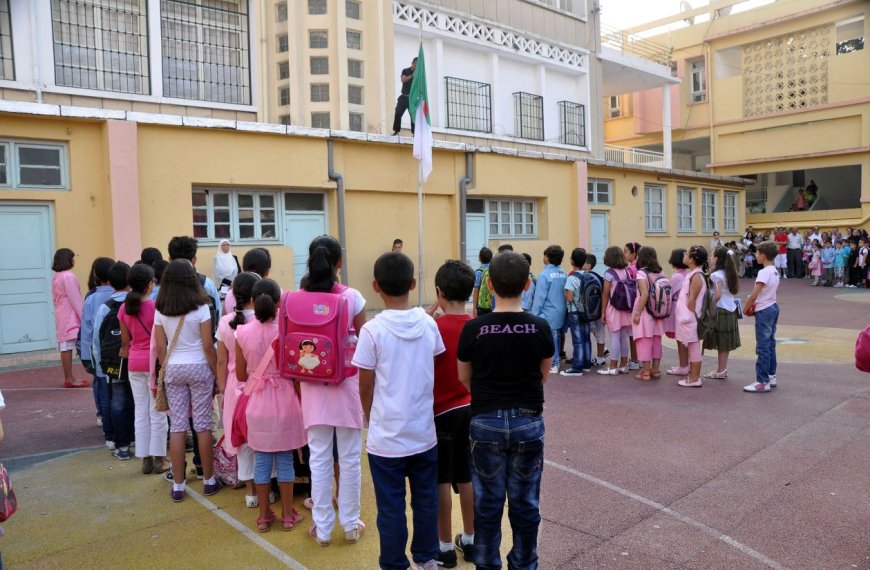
(504, 358)
(549, 302)
(763, 298)
(94, 301)
(582, 357)
(396, 360)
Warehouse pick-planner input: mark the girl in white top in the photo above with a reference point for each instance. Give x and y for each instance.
(725, 286)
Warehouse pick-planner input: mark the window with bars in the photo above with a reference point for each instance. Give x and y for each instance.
(205, 50)
(654, 208)
(320, 120)
(354, 39)
(318, 39)
(316, 7)
(355, 68)
(528, 116)
(285, 120)
(729, 211)
(355, 94)
(708, 210)
(100, 44)
(352, 9)
(281, 12)
(284, 96)
(7, 66)
(319, 92)
(32, 165)
(356, 122)
(237, 215)
(469, 105)
(283, 70)
(699, 80)
(283, 43)
(599, 191)
(572, 123)
(685, 209)
(512, 218)
(319, 65)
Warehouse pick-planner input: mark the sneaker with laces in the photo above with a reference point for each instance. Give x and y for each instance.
(122, 453)
(251, 501)
(771, 380)
(599, 361)
(466, 549)
(554, 370)
(571, 372)
(446, 559)
(110, 445)
(757, 387)
(211, 489)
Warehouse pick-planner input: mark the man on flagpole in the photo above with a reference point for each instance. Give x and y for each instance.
(418, 105)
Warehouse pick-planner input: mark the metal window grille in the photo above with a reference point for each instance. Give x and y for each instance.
(319, 65)
(205, 50)
(284, 96)
(354, 39)
(356, 122)
(319, 92)
(316, 7)
(355, 68)
(528, 116)
(318, 39)
(572, 123)
(469, 105)
(100, 44)
(7, 67)
(283, 43)
(320, 120)
(281, 12)
(352, 9)
(284, 70)
(355, 94)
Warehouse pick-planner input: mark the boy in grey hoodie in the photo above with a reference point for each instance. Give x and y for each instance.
(396, 360)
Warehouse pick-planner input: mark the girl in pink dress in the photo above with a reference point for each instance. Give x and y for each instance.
(691, 299)
(630, 251)
(816, 264)
(274, 415)
(67, 296)
(680, 269)
(618, 322)
(647, 330)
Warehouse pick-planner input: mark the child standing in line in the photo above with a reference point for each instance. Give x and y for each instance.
(95, 299)
(481, 296)
(274, 414)
(618, 321)
(528, 296)
(596, 328)
(829, 254)
(863, 263)
(582, 357)
(762, 303)
(503, 360)
(67, 296)
(396, 357)
(630, 251)
(258, 261)
(549, 303)
(839, 263)
(647, 329)
(727, 335)
(453, 283)
(816, 264)
(676, 262)
(691, 300)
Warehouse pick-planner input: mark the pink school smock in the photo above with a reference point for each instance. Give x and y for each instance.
(648, 326)
(274, 413)
(616, 319)
(676, 284)
(233, 389)
(687, 320)
(67, 296)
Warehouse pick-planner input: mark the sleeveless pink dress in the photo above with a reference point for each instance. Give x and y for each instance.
(648, 326)
(617, 319)
(274, 414)
(687, 319)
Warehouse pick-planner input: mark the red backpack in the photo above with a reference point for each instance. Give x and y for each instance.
(316, 339)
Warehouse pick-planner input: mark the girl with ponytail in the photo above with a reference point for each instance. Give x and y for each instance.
(725, 286)
(274, 414)
(688, 309)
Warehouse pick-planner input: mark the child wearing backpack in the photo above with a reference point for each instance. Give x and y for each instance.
(617, 299)
(273, 413)
(549, 302)
(631, 250)
(726, 336)
(481, 296)
(528, 295)
(67, 296)
(652, 306)
(680, 269)
(576, 320)
(688, 310)
(100, 294)
(136, 320)
(596, 327)
(258, 261)
(396, 357)
(762, 304)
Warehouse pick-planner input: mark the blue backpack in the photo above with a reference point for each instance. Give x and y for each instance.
(587, 297)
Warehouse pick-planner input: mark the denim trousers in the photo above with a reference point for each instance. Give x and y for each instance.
(581, 342)
(557, 344)
(282, 460)
(101, 392)
(765, 343)
(507, 459)
(388, 476)
(121, 411)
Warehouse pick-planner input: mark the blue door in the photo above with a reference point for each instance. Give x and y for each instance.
(26, 308)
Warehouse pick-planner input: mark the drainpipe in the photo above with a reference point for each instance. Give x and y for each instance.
(463, 195)
(339, 187)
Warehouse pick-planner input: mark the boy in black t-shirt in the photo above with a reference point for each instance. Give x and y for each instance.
(504, 358)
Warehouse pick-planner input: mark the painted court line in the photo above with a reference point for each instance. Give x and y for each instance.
(680, 517)
(276, 552)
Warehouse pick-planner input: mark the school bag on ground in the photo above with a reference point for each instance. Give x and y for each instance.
(212, 307)
(587, 297)
(709, 312)
(624, 291)
(110, 341)
(316, 340)
(659, 304)
(484, 295)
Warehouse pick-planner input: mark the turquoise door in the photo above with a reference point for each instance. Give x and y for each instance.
(300, 228)
(26, 308)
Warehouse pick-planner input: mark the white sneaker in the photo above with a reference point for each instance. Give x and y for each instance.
(273, 498)
(624, 369)
(634, 365)
(608, 371)
(771, 380)
(757, 387)
(251, 501)
(554, 370)
(598, 361)
(110, 445)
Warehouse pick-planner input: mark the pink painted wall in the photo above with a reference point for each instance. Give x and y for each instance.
(123, 156)
(583, 237)
(647, 106)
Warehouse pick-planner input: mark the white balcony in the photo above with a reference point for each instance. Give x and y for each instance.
(626, 155)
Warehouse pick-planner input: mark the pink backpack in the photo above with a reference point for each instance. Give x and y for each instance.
(316, 337)
(659, 304)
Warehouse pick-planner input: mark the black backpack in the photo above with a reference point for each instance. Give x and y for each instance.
(110, 341)
(588, 297)
(212, 308)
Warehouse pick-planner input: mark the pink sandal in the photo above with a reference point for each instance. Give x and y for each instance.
(312, 532)
(264, 524)
(290, 521)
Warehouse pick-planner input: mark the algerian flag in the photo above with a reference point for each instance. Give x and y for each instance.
(418, 104)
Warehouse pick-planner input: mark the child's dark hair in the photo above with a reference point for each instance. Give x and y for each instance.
(63, 260)
(726, 263)
(118, 275)
(149, 255)
(398, 241)
(485, 255)
(555, 254)
(509, 273)
(455, 280)
(578, 257)
(528, 258)
(182, 247)
(266, 294)
(101, 269)
(394, 273)
(633, 247)
(698, 254)
(324, 255)
(159, 267)
(676, 259)
(180, 291)
(139, 278)
(257, 260)
(769, 249)
(505, 247)
(648, 260)
(615, 258)
(591, 260)
(243, 288)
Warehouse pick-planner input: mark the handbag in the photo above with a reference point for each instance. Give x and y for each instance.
(240, 414)
(226, 466)
(8, 502)
(161, 403)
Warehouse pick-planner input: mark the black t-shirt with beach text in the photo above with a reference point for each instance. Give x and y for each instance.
(505, 351)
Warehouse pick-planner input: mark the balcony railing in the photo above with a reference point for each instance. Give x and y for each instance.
(633, 44)
(625, 155)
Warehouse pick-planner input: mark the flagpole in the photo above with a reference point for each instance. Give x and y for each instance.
(420, 200)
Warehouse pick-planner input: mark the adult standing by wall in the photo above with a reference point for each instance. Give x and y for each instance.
(402, 101)
(794, 253)
(226, 267)
(716, 242)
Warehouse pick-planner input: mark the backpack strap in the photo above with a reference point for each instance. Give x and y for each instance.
(260, 370)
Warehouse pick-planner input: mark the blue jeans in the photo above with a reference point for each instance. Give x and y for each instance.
(388, 476)
(507, 458)
(263, 461)
(765, 343)
(581, 341)
(101, 390)
(557, 344)
(121, 412)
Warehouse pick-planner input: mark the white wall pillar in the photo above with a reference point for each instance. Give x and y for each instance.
(437, 74)
(499, 125)
(666, 126)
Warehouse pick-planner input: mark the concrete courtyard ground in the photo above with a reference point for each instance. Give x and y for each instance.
(637, 475)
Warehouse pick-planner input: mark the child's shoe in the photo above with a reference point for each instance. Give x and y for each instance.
(609, 371)
(571, 372)
(251, 501)
(686, 384)
(209, 489)
(757, 387)
(110, 445)
(446, 559)
(467, 549)
(599, 361)
(122, 453)
(289, 522)
(312, 532)
(264, 524)
(177, 493)
(554, 369)
(717, 375)
(678, 371)
(634, 365)
(771, 381)
(353, 535)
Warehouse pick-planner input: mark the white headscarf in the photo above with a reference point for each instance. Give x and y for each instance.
(225, 265)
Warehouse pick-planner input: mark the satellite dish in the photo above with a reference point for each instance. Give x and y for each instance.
(722, 12)
(686, 7)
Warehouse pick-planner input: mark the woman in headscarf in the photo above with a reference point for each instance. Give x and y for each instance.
(226, 267)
